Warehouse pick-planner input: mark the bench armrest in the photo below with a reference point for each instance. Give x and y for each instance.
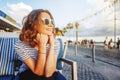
(73, 66)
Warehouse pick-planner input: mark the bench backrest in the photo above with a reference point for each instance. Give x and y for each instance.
(7, 56)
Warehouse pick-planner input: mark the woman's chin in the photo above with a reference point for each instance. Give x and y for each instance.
(49, 34)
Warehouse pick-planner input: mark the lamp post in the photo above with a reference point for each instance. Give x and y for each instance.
(114, 3)
(115, 23)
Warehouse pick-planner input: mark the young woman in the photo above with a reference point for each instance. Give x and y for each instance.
(37, 47)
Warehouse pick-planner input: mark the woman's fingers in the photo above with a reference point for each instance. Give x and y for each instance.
(42, 38)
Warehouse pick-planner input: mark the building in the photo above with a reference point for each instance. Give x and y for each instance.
(7, 23)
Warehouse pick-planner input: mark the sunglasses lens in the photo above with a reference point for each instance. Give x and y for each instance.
(46, 21)
(52, 22)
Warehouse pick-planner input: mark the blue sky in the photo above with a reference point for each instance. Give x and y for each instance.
(68, 11)
(64, 11)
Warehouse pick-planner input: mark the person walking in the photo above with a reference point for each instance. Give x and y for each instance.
(106, 43)
(118, 43)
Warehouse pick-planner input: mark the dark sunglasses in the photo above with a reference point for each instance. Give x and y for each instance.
(47, 21)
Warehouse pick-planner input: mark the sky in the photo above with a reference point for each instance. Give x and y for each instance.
(70, 11)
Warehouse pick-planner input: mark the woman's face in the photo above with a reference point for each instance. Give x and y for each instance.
(45, 24)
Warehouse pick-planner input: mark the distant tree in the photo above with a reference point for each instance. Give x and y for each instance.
(69, 26)
(76, 25)
(58, 32)
(64, 30)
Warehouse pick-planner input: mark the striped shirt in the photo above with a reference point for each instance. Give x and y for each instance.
(7, 56)
(25, 51)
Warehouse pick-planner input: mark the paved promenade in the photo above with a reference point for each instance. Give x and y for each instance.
(87, 70)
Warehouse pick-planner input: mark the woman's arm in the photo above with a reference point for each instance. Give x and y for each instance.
(51, 60)
(38, 66)
(50, 63)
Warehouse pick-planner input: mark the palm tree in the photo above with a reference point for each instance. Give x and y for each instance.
(69, 26)
(76, 25)
(64, 30)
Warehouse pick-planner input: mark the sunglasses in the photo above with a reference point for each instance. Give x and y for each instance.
(47, 21)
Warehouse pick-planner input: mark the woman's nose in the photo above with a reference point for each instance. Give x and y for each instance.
(51, 25)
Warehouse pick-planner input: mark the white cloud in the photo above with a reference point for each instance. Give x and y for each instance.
(18, 11)
(104, 22)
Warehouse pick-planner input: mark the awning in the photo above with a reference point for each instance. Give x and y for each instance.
(7, 24)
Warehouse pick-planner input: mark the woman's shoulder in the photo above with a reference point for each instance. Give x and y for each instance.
(23, 50)
(21, 44)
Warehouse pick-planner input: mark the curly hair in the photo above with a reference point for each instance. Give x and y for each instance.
(29, 33)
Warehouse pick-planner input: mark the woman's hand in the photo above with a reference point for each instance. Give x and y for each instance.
(42, 41)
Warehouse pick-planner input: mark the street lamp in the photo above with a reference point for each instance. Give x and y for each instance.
(114, 3)
(115, 23)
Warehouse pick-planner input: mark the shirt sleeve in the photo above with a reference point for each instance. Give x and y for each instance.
(22, 50)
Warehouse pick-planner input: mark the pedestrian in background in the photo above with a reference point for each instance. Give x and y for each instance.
(111, 44)
(106, 43)
(118, 43)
